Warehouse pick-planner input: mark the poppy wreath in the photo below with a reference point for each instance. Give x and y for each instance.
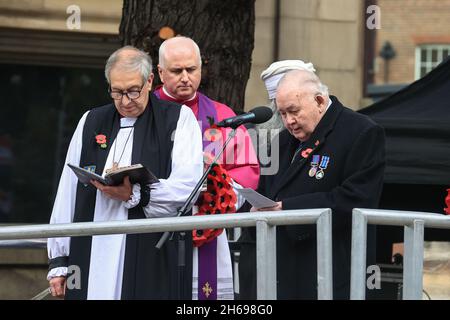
(218, 198)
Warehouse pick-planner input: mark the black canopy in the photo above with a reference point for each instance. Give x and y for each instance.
(417, 124)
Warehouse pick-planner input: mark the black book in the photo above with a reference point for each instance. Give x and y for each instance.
(137, 173)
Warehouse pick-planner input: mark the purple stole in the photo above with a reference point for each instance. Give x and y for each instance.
(207, 253)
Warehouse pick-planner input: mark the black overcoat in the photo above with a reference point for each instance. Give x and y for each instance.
(353, 178)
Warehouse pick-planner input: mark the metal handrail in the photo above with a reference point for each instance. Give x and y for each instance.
(32, 243)
(414, 224)
(265, 223)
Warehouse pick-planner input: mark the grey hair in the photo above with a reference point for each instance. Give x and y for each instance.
(305, 77)
(162, 50)
(138, 61)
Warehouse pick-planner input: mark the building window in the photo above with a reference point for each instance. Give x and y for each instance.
(429, 56)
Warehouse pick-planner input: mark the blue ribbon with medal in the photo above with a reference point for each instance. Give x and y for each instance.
(322, 166)
(314, 163)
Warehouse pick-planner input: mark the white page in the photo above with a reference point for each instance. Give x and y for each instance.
(256, 199)
(85, 176)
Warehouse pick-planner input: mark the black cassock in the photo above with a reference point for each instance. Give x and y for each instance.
(353, 178)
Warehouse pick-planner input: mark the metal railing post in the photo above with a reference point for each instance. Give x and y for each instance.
(358, 259)
(413, 261)
(324, 257)
(266, 261)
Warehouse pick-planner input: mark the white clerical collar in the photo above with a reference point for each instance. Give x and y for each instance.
(329, 103)
(127, 122)
(171, 96)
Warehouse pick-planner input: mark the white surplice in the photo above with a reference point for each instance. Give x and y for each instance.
(108, 251)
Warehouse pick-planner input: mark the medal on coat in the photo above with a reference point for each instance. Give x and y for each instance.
(323, 165)
(314, 164)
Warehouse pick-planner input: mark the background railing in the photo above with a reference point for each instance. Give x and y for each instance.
(414, 224)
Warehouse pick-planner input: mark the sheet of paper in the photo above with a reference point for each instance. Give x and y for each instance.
(256, 199)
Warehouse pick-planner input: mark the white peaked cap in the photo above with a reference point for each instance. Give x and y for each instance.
(272, 75)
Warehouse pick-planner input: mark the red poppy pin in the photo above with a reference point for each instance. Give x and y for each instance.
(101, 140)
(306, 152)
(213, 133)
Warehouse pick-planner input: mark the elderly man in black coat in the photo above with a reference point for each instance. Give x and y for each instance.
(330, 157)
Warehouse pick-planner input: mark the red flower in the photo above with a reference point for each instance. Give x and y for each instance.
(218, 198)
(213, 134)
(447, 202)
(204, 236)
(101, 140)
(306, 152)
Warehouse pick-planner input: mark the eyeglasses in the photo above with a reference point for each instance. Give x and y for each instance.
(131, 95)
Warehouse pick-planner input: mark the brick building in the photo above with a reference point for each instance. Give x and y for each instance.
(419, 32)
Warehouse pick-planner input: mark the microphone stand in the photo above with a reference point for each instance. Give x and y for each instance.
(183, 212)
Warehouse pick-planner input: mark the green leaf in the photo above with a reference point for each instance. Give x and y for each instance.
(211, 120)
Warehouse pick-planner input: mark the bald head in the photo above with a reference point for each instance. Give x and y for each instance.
(301, 101)
(180, 67)
(178, 46)
(303, 81)
(129, 59)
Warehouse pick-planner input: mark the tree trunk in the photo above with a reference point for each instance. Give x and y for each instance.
(224, 31)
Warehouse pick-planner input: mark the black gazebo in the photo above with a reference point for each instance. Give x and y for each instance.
(416, 120)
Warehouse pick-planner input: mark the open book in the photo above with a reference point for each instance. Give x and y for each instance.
(256, 199)
(137, 173)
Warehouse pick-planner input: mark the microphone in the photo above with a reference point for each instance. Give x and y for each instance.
(256, 115)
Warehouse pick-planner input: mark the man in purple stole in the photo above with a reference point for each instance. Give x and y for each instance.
(180, 71)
